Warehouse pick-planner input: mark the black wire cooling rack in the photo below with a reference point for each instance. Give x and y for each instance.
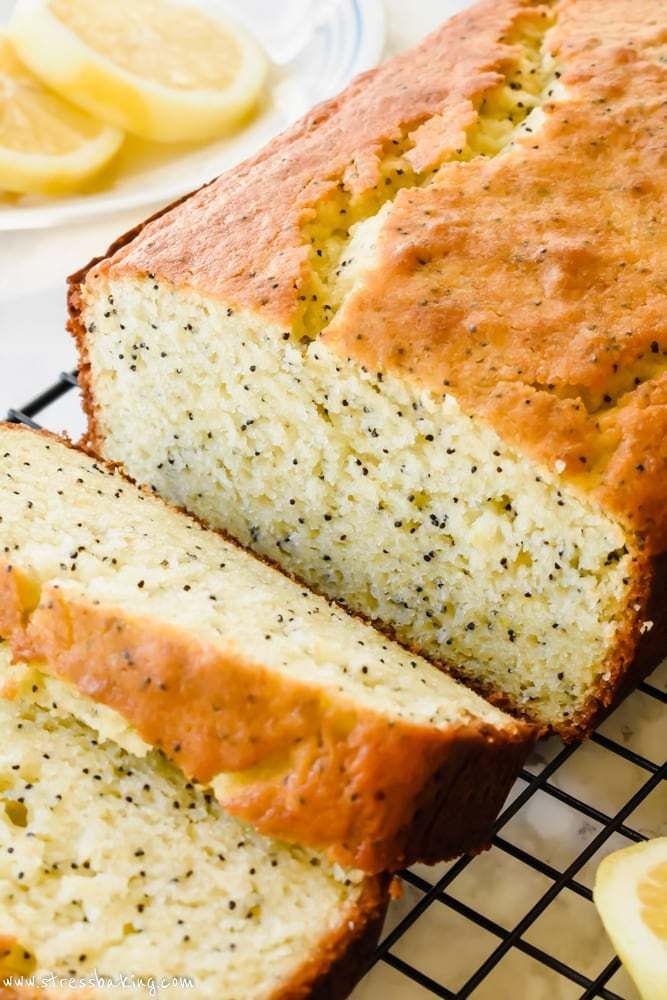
(548, 773)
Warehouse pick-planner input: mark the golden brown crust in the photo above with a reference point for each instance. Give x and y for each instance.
(532, 284)
(651, 648)
(343, 956)
(540, 304)
(318, 769)
(207, 244)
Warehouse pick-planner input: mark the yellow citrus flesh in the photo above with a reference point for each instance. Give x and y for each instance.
(46, 144)
(184, 49)
(631, 896)
(652, 892)
(161, 69)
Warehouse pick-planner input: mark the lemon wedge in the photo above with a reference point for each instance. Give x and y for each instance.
(165, 71)
(46, 145)
(631, 896)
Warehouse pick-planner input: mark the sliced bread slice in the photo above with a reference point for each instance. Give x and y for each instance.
(116, 870)
(305, 721)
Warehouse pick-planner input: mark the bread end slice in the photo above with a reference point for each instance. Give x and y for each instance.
(101, 874)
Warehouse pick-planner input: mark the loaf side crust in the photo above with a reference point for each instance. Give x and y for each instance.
(338, 957)
(535, 342)
(315, 770)
(344, 956)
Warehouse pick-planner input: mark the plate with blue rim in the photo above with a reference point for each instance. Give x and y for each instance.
(315, 48)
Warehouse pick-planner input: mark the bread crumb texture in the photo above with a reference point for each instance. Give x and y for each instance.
(305, 721)
(414, 351)
(115, 863)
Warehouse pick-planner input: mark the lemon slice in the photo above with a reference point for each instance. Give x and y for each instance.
(162, 70)
(46, 145)
(631, 896)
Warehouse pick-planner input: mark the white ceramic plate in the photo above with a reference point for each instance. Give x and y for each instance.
(316, 47)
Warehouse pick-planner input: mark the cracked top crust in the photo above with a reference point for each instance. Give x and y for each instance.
(240, 238)
(530, 285)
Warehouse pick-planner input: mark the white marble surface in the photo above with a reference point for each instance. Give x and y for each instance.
(442, 945)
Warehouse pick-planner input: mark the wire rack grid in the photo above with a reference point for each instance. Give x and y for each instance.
(450, 935)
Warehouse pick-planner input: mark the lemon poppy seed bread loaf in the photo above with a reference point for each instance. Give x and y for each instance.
(120, 878)
(305, 722)
(415, 350)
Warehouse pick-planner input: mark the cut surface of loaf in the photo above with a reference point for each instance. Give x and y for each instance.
(305, 721)
(415, 350)
(114, 865)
